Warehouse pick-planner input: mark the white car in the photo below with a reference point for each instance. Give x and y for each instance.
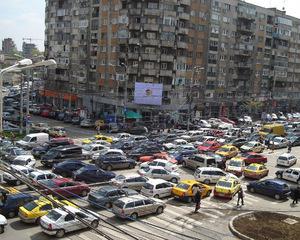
(102, 142)
(121, 136)
(18, 169)
(290, 174)
(209, 175)
(24, 160)
(205, 124)
(58, 222)
(157, 188)
(279, 142)
(162, 163)
(39, 175)
(252, 146)
(88, 150)
(286, 159)
(160, 172)
(3, 223)
(176, 143)
(204, 139)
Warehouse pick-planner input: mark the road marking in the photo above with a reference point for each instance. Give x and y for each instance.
(84, 236)
(177, 214)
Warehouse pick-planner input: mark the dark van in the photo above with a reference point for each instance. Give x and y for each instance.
(62, 153)
(10, 206)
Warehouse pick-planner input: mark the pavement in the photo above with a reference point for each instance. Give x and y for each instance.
(178, 220)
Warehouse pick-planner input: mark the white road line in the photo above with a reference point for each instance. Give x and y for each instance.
(171, 212)
(84, 237)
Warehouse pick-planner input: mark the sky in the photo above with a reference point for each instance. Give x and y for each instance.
(25, 18)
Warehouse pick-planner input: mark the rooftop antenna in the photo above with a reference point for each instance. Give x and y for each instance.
(283, 8)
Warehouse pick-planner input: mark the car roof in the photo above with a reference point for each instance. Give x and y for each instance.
(161, 160)
(286, 155)
(280, 182)
(156, 181)
(157, 167)
(62, 180)
(210, 169)
(297, 169)
(38, 172)
(189, 181)
(255, 164)
(133, 198)
(107, 188)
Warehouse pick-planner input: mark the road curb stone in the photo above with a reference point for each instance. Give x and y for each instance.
(234, 231)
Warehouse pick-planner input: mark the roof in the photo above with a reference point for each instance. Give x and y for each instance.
(209, 169)
(133, 198)
(156, 181)
(62, 180)
(38, 134)
(286, 155)
(228, 178)
(280, 182)
(189, 181)
(255, 164)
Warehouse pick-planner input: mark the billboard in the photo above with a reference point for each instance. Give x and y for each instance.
(148, 93)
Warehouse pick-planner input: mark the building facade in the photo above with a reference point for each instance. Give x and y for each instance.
(8, 46)
(211, 57)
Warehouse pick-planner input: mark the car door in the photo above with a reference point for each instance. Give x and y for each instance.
(140, 208)
(287, 174)
(295, 176)
(149, 206)
(216, 175)
(164, 174)
(155, 173)
(113, 196)
(70, 223)
(165, 189)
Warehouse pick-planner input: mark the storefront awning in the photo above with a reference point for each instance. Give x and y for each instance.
(133, 115)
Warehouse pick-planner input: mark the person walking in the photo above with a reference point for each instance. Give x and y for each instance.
(197, 197)
(289, 147)
(295, 195)
(240, 197)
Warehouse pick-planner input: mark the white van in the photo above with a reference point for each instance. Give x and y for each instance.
(286, 159)
(33, 140)
(157, 188)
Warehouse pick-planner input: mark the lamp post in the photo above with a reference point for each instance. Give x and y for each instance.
(190, 97)
(125, 91)
(23, 62)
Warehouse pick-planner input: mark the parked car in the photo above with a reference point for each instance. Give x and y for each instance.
(115, 162)
(132, 181)
(252, 157)
(235, 166)
(160, 162)
(238, 142)
(199, 160)
(252, 146)
(58, 222)
(291, 174)
(121, 137)
(67, 168)
(3, 223)
(228, 151)
(10, 179)
(136, 206)
(106, 195)
(57, 131)
(92, 174)
(209, 146)
(64, 186)
(209, 175)
(88, 150)
(11, 153)
(87, 123)
(136, 153)
(279, 142)
(157, 188)
(286, 159)
(109, 152)
(33, 140)
(227, 187)
(39, 175)
(160, 172)
(23, 160)
(256, 171)
(270, 187)
(40, 127)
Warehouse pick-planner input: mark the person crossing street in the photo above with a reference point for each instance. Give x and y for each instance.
(197, 197)
(240, 197)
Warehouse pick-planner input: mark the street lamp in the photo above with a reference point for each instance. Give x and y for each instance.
(23, 62)
(125, 91)
(190, 98)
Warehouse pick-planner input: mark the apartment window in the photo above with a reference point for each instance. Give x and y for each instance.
(149, 50)
(149, 65)
(215, 29)
(152, 5)
(151, 20)
(216, 3)
(226, 19)
(170, 21)
(227, 6)
(222, 57)
(136, 49)
(167, 36)
(164, 66)
(135, 63)
(215, 17)
(137, 20)
(262, 16)
(261, 27)
(151, 35)
(260, 39)
(181, 66)
(225, 32)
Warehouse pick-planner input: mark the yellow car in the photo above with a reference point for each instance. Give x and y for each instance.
(9, 190)
(97, 137)
(227, 187)
(184, 190)
(32, 212)
(228, 151)
(256, 171)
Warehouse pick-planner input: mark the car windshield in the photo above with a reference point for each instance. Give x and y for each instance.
(30, 206)
(147, 169)
(253, 168)
(206, 144)
(224, 184)
(80, 170)
(119, 204)
(87, 147)
(282, 158)
(277, 140)
(101, 192)
(235, 163)
(53, 215)
(183, 186)
(250, 144)
(20, 152)
(224, 150)
(267, 130)
(26, 139)
(148, 186)
(19, 162)
(51, 152)
(49, 183)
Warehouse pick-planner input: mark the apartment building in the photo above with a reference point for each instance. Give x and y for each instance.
(206, 56)
(8, 46)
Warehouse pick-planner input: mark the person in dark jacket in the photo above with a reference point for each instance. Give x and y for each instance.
(240, 197)
(295, 195)
(197, 197)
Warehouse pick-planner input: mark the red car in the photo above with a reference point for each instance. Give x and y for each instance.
(209, 146)
(227, 120)
(162, 155)
(252, 157)
(64, 186)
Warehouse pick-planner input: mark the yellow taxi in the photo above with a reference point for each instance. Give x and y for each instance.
(227, 187)
(32, 212)
(256, 171)
(235, 165)
(184, 190)
(227, 151)
(9, 190)
(97, 137)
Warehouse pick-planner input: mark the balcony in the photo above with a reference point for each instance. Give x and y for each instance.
(150, 27)
(152, 42)
(135, 11)
(168, 28)
(245, 29)
(182, 45)
(132, 70)
(185, 2)
(151, 72)
(279, 36)
(167, 43)
(166, 73)
(153, 12)
(182, 30)
(242, 53)
(245, 16)
(244, 65)
(184, 16)
(150, 57)
(166, 58)
(134, 41)
(134, 26)
(133, 56)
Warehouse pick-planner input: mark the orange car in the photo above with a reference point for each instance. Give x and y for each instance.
(162, 155)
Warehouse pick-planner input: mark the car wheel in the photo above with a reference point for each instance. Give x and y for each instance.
(252, 190)
(189, 199)
(11, 214)
(279, 176)
(95, 223)
(18, 182)
(60, 233)
(174, 180)
(184, 164)
(37, 221)
(277, 197)
(159, 210)
(107, 205)
(84, 193)
(134, 216)
(208, 194)
(156, 196)
(109, 168)
(206, 181)
(1, 229)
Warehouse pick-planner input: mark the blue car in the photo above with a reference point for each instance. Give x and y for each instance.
(67, 168)
(10, 206)
(271, 187)
(92, 174)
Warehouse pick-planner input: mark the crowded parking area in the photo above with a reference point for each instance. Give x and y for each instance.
(61, 174)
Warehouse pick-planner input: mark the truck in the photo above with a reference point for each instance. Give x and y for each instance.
(275, 128)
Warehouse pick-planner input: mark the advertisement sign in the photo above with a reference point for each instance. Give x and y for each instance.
(148, 93)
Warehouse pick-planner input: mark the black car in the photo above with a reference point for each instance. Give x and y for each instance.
(124, 145)
(115, 162)
(137, 130)
(295, 140)
(43, 149)
(105, 196)
(136, 153)
(238, 142)
(92, 174)
(67, 168)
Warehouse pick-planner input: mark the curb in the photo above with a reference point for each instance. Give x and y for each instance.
(236, 232)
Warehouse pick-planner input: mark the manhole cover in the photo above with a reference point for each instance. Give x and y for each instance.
(290, 221)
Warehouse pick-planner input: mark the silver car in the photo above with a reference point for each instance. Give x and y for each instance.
(136, 206)
(134, 181)
(160, 172)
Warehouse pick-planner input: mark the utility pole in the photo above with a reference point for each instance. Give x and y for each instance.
(21, 105)
(125, 92)
(27, 101)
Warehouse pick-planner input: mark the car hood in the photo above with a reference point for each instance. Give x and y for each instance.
(3, 220)
(39, 149)
(21, 142)
(23, 157)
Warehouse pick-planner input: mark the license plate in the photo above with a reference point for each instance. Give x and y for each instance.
(221, 194)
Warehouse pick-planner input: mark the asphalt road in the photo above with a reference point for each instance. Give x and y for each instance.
(177, 222)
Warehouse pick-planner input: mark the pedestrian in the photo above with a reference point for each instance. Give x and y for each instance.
(252, 129)
(289, 147)
(13, 138)
(295, 195)
(197, 197)
(267, 143)
(240, 197)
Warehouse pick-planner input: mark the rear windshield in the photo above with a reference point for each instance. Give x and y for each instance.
(224, 184)
(282, 158)
(30, 206)
(119, 204)
(183, 186)
(54, 215)
(148, 186)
